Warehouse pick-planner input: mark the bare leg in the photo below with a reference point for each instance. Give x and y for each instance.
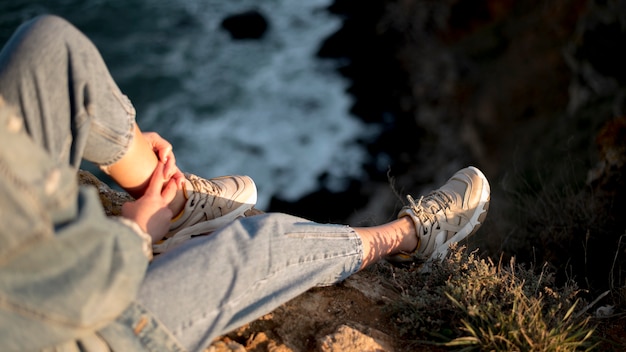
(388, 239)
(36, 65)
(133, 171)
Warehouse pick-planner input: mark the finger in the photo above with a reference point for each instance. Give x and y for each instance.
(164, 152)
(127, 208)
(170, 168)
(161, 146)
(179, 178)
(170, 155)
(156, 180)
(169, 191)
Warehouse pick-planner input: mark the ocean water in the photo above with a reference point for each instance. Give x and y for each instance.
(267, 108)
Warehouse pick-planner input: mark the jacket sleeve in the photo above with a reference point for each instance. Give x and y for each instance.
(65, 268)
(60, 287)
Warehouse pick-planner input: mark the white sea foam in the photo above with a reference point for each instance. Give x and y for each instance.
(266, 108)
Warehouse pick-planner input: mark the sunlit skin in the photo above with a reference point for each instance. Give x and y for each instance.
(133, 171)
(387, 239)
(149, 173)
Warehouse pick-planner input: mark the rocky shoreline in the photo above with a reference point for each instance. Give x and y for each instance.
(532, 93)
(371, 43)
(496, 84)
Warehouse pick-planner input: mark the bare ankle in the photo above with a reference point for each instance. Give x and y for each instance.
(409, 241)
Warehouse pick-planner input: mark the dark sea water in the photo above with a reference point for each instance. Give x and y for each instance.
(268, 108)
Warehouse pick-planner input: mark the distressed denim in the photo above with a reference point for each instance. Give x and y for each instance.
(72, 279)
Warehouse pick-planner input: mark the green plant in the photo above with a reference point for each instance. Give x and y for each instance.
(470, 303)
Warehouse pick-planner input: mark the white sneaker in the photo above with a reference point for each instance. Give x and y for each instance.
(447, 215)
(211, 204)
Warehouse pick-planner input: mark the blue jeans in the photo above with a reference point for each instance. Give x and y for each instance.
(213, 284)
(71, 109)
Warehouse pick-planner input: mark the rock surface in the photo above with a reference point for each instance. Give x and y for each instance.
(516, 88)
(111, 199)
(246, 25)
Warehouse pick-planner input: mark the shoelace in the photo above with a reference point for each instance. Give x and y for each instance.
(203, 190)
(439, 199)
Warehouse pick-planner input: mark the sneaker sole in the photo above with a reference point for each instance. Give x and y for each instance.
(477, 219)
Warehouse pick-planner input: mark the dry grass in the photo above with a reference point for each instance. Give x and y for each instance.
(468, 303)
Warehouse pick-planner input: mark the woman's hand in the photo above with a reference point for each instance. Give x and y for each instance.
(163, 150)
(151, 210)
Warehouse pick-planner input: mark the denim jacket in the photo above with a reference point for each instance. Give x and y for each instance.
(68, 273)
